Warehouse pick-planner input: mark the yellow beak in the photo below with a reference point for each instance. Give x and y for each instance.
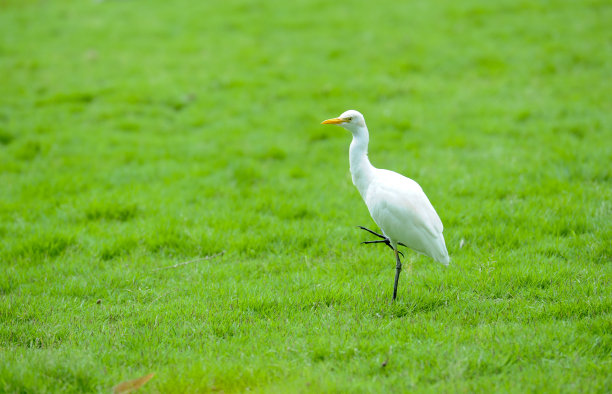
(334, 121)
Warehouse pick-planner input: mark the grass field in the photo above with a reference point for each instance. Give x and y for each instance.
(136, 135)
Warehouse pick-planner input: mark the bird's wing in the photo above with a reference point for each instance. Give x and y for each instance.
(404, 199)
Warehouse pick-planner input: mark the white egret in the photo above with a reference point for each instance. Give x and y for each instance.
(397, 204)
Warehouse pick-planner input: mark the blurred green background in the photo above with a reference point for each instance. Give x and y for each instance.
(137, 135)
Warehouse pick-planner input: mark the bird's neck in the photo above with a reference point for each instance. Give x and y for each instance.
(361, 170)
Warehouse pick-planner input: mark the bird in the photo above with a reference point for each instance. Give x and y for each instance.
(396, 203)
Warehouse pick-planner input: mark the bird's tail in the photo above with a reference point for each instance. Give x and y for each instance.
(442, 255)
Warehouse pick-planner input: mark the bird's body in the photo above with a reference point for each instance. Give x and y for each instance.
(401, 209)
(397, 204)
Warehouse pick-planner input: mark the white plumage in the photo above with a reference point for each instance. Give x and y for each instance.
(397, 204)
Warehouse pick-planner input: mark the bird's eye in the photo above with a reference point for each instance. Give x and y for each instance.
(349, 118)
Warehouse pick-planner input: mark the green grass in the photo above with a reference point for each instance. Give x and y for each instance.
(137, 135)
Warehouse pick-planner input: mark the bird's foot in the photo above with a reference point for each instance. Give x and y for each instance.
(384, 239)
(373, 232)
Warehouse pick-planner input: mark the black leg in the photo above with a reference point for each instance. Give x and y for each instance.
(398, 269)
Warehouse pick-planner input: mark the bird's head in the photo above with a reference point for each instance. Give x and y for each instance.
(351, 120)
